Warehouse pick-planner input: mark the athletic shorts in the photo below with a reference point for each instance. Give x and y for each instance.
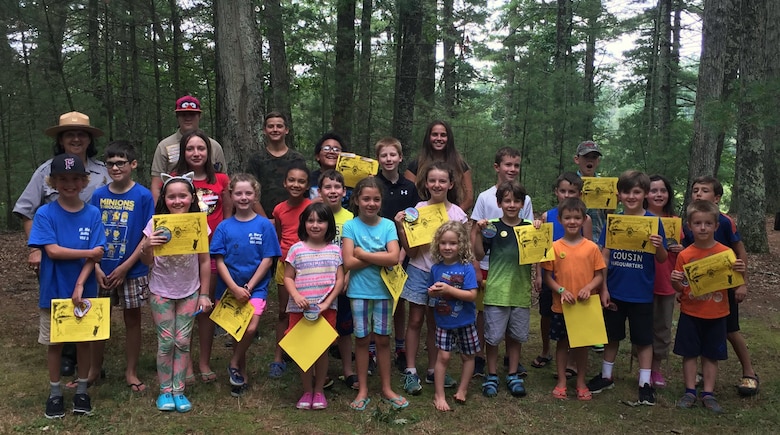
(640, 322)
(701, 337)
(502, 320)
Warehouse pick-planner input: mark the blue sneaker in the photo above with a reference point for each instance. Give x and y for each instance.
(412, 383)
(516, 385)
(182, 404)
(277, 369)
(165, 402)
(490, 386)
(236, 379)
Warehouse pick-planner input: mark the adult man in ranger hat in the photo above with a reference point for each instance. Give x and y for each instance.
(166, 155)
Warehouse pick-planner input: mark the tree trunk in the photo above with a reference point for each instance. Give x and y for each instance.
(239, 80)
(561, 58)
(344, 100)
(55, 13)
(665, 80)
(408, 36)
(709, 90)
(176, 47)
(278, 68)
(772, 129)
(363, 104)
(749, 175)
(449, 40)
(427, 80)
(156, 61)
(93, 46)
(592, 24)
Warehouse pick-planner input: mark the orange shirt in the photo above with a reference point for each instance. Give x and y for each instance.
(708, 306)
(574, 267)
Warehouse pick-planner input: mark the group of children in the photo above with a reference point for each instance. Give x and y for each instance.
(328, 260)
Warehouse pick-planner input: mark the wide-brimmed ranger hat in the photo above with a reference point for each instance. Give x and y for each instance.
(73, 121)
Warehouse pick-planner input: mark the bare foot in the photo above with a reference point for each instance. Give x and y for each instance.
(459, 397)
(441, 404)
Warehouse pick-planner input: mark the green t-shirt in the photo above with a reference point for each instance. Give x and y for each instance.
(508, 282)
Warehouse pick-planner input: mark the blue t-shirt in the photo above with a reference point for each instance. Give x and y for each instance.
(631, 274)
(366, 283)
(243, 246)
(54, 225)
(552, 218)
(124, 217)
(454, 313)
(725, 234)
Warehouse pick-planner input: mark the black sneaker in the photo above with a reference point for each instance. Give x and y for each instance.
(479, 367)
(239, 390)
(598, 384)
(55, 408)
(400, 361)
(371, 365)
(82, 405)
(647, 395)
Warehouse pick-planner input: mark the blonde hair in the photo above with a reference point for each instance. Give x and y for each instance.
(388, 142)
(465, 254)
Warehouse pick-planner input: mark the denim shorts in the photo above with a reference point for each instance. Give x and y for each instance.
(416, 287)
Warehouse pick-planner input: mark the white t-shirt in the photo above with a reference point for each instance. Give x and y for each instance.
(486, 207)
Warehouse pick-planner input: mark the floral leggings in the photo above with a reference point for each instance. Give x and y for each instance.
(174, 321)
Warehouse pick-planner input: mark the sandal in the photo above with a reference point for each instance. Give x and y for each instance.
(208, 377)
(748, 386)
(541, 361)
(560, 393)
(490, 386)
(516, 385)
(584, 394)
(570, 373)
(137, 388)
(360, 405)
(351, 381)
(398, 402)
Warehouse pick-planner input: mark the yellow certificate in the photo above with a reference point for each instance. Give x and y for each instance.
(355, 168)
(232, 315)
(189, 233)
(308, 340)
(585, 322)
(66, 327)
(535, 245)
(599, 192)
(421, 231)
(713, 273)
(631, 233)
(672, 229)
(394, 278)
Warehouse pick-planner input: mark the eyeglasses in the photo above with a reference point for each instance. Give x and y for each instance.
(328, 148)
(118, 164)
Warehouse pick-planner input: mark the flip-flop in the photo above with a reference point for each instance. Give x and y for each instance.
(360, 405)
(137, 388)
(351, 381)
(208, 377)
(541, 361)
(398, 402)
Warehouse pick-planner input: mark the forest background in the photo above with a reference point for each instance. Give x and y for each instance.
(531, 74)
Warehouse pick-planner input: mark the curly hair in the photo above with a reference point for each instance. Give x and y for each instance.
(465, 254)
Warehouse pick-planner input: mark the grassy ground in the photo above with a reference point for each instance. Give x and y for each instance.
(269, 406)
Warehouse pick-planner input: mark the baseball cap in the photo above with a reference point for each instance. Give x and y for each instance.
(187, 103)
(67, 164)
(588, 147)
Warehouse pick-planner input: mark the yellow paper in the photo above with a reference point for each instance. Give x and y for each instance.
(233, 316)
(189, 233)
(713, 273)
(355, 168)
(394, 278)
(308, 340)
(422, 230)
(585, 322)
(67, 328)
(535, 245)
(631, 233)
(672, 229)
(599, 192)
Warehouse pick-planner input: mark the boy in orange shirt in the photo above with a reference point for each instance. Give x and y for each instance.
(701, 330)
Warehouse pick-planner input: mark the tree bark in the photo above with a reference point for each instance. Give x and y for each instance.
(278, 68)
(239, 80)
(176, 47)
(749, 175)
(771, 134)
(343, 103)
(449, 40)
(363, 104)
(427, 80)
(408, 37)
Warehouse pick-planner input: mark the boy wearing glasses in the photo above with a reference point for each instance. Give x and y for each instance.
(125, 207)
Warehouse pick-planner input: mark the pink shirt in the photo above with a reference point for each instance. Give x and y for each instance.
(173, 276)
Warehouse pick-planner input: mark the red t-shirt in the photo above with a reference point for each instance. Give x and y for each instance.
(287, 218)
(209, 197)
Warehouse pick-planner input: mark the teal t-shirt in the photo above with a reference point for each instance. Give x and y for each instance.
(508, 282)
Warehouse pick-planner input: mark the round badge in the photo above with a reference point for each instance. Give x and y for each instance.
(165, 232)
(504, 234)
(489, 231)
(81, 309)
(563, 255)
(312, 313)
(411, 214)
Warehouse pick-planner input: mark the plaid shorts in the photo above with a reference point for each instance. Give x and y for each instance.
(372, 315)
(133, 293)
(465, 336)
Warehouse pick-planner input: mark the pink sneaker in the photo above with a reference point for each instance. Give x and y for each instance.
(319, 401)
(658, 379)
(305, 401)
